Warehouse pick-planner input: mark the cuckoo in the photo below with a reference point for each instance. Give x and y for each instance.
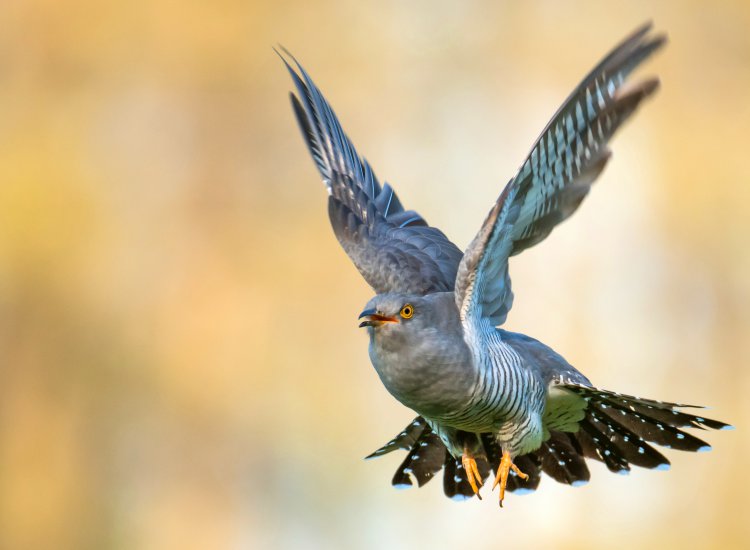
(490, 400)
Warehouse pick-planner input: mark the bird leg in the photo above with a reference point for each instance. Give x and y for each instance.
(506, 465)
(472, 472)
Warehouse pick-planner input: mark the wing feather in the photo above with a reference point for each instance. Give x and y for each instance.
(394, 249)
(554, 179)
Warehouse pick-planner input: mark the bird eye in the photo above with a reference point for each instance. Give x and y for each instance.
(407, 311)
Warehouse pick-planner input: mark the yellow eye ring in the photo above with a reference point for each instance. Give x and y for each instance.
(407, 312)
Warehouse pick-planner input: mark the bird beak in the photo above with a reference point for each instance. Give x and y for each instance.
(371, 318)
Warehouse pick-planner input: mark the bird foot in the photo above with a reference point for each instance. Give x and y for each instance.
(472, 473)
(506, 465)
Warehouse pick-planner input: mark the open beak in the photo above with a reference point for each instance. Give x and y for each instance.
(371, 318)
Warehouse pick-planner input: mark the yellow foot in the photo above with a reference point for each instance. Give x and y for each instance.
(472, 473)
(506, 465)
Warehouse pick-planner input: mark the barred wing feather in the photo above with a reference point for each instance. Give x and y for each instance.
(567, 157)
(394, 249)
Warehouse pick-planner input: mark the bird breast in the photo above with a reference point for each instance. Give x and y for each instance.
(431, 372)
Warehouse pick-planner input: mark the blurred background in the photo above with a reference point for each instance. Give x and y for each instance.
(181, 365)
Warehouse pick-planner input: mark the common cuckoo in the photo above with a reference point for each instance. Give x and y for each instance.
(490, 399)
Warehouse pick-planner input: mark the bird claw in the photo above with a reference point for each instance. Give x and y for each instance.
(503, 469)
(472, 473)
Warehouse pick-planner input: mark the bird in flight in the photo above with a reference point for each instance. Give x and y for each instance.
(489, 399)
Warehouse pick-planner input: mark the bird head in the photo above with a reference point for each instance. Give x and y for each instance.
(411, 315)
(390, 310)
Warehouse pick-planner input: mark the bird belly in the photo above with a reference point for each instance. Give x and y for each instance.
(519, 438)
(508, 401)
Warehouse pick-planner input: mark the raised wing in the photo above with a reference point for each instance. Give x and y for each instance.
(394, 249)
(565, 160)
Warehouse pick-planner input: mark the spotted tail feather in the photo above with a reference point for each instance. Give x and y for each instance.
(405, 440)
(562, 460)
(425, 458)
(618, 429)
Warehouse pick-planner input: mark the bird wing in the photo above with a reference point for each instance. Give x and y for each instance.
(556, 176)
(394, 249)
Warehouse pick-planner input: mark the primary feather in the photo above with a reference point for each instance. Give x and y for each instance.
(394, 249)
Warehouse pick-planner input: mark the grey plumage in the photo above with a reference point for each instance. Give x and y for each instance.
(394, 249)
(489, 399)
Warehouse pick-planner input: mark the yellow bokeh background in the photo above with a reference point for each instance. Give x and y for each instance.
(180, 359)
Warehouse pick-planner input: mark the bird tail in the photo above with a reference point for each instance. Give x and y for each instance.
(615, 430)
(427, 455)
(618, 429)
